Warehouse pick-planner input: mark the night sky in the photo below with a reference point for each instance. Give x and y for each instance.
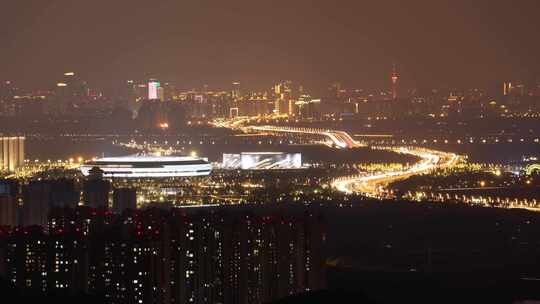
(195, 42)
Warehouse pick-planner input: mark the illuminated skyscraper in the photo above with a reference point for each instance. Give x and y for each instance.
(283, 95)
(26, 259)
(236, 90)
(11, 153)
(131, 97)
(514, 88)
(70, 93)
(394, 79)
(161, 93)
(71, 88)
(153, 86)
(507, 88)
(159, 256)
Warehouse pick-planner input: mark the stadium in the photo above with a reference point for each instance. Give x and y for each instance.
(140, 166)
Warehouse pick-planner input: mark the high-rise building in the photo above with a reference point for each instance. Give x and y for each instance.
(130, 95)
(124, 198)
(169, 91)
(96, 190)
(7, 90)
(37, 262)
(507, 88)
(394, 77)
(236, 94)
(9, 187)
(64, 193)
(11, 153)
(9, 205)
(335, 91)
(67, 262)
(71, 92)
(26, 259)
(283, 103)
(153, 89)
(158, 256)
(8, 211)
(76, 88)
(161, 93)
(37, 201)
(514, 88)
(40, 196)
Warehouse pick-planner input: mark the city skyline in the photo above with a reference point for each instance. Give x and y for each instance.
(246, 152)
(312, 42)
(393, 87)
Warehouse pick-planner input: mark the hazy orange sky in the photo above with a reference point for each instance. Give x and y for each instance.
(193, 42)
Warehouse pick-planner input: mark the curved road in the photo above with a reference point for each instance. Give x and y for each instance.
(373, 184)
(369, 184)
(339, 139)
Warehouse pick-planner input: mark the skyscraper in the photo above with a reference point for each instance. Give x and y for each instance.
(71, 92)
(124, 198)
(11, 153)
(283, 97)
(7, 90)
(177, 256)
(26, 259)
(235, 94)
(153, 86)
(394, 79)
(8, 203)
(8, 210)
(161, 93)
(96, 190)
(37, 202)
(64, 193)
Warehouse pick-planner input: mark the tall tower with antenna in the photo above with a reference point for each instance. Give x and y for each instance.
(394, 78)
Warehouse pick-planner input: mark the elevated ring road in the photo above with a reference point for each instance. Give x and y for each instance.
(340, 139)
(369, 184)
(373, 184)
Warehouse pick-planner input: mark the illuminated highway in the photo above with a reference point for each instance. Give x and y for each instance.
(372, 184)
(336, 138)
(369, 184)
(479, 200)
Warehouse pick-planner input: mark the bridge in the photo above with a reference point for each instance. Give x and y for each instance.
(339, 139)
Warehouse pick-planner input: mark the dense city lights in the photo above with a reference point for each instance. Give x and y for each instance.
(250, 152)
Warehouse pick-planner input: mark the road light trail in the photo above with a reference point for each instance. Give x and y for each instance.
(368, 184)
(340, 139)
(373, 184)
